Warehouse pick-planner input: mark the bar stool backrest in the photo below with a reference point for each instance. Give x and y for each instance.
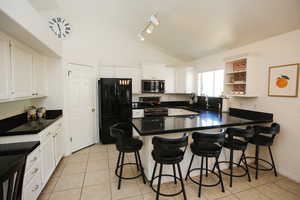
(122, 132)
(165, 147)
(205, 138)
(273, 130)
(247, 133)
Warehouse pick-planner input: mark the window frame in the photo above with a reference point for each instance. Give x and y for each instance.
(200, 82)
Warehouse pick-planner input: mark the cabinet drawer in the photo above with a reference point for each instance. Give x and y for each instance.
(46, 135)
(32, 172)
(32, 159)
(33, 189)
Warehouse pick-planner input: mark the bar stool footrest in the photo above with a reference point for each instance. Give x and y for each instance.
(205, 185)
(271, 167)
(236, 164)
(127, 178)
(166, 195)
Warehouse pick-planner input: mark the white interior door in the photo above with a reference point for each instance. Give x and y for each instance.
(81, 100)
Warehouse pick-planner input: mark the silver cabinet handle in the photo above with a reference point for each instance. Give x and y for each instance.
(34, 159)
(35, 171)
(36, 187)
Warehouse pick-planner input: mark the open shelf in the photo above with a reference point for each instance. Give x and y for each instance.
(237, 72)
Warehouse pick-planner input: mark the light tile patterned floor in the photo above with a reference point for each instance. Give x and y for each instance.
(89, 175)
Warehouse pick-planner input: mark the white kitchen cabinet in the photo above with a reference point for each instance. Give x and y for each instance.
(58, 143)
(5, 68)
(169, 77)
(130, 72)
(48, 159)
(184, 80)
(107, 72)
(22, 68)
(39, 85)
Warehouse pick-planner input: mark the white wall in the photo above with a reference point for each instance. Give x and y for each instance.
(279, 50)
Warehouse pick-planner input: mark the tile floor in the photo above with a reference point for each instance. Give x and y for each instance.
(89, 175)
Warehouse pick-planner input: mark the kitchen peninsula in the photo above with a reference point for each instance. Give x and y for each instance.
(176, 126)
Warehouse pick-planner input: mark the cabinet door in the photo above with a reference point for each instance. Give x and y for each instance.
(134, 74)
(5, 68)
(107, 72)
(22, 65)
(39, 76)
(48, 162)
(59, 145)
(169, 77)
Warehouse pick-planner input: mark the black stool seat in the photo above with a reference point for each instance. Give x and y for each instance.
(206, 146)
(132, 145)
(235, 144)
(206, 149)
(168, 152)
(126, 144)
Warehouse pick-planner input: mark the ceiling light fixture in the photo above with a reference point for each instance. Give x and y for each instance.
(141, 37)
(150, 28)
(153, 22)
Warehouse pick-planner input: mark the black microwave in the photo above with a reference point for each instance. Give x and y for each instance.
(153, 86)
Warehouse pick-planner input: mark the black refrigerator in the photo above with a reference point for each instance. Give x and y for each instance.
(115, 105)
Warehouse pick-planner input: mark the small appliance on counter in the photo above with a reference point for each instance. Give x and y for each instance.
(34, 113)
(31, 113)
(41, 112)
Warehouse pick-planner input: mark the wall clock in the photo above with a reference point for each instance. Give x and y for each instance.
(60, 27)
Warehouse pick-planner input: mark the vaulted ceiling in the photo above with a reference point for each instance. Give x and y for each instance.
(189, 29)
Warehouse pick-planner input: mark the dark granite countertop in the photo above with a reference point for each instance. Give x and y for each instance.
(18, 125)
(18, 148)
(10, 154)
(204, 120)
(7, 163)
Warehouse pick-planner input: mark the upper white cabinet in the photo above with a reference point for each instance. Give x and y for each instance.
(123, 72)
(184, 80)
(4, 68)
(39, 86)
(20, 20)
(107, 72)
(177, 80)
(23, 72)
(160, 72)
(134, 73)
(22, 68)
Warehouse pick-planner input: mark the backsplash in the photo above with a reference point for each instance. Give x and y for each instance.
(10, 109)
(163, 97)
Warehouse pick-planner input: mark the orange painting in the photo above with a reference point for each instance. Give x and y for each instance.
(283, 80)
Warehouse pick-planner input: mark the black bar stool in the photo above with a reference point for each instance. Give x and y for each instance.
(168, 152)
(126, 144)
(237, 140)
(206, 146)
(13, 176)
(264, 136)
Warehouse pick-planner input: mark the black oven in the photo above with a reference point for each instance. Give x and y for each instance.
(153, 86)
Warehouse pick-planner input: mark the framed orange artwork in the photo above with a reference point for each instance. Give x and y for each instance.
(284, 80)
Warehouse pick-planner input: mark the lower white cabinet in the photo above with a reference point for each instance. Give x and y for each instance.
(41, 163)
(58, 144)
(48, 161)
(32, 190)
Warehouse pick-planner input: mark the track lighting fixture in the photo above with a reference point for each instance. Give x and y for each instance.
(153, 22)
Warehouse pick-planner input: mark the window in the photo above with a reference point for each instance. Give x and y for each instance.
(211, 83)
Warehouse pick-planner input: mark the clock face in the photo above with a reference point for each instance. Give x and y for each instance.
(60, 27)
